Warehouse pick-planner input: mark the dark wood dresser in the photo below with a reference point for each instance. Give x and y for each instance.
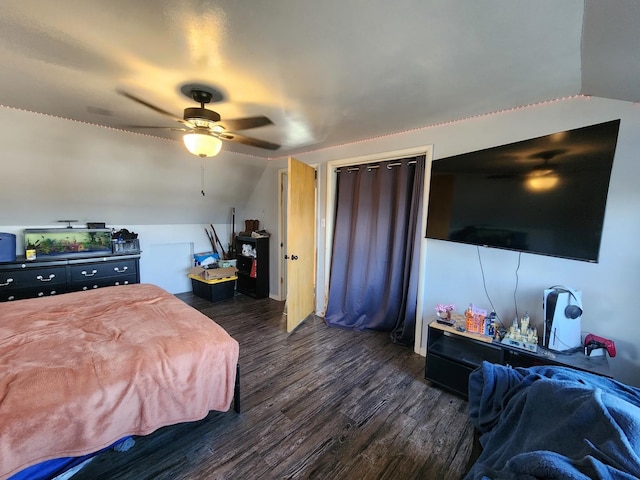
(42, 277)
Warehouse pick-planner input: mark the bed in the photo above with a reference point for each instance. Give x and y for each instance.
(553, 422)
(82, 370)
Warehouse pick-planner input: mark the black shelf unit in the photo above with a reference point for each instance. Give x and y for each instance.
(453, 355)
(254, 286)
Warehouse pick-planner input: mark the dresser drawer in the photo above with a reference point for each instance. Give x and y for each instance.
(22, 293)
(32, 277)
(448, 374)
(104, 282)
(95, 271)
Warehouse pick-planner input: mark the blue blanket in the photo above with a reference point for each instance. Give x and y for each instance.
(553, 423)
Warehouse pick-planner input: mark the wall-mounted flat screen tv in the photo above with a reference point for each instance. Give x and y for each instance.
(546, 195)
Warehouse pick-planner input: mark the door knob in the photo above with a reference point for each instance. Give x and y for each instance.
(286, 257)
(294, 257)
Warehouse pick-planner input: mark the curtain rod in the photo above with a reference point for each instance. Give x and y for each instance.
(372, 166)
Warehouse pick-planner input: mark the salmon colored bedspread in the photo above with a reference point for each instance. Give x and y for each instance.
(81, 370)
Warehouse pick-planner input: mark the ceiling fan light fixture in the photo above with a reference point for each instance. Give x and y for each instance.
(202, 144)
(542, 183)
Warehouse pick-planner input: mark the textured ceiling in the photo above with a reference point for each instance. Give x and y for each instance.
(325, 72)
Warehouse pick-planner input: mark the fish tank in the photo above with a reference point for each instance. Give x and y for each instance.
(67, 242)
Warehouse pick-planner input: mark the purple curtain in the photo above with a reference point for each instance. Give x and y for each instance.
(376, 244)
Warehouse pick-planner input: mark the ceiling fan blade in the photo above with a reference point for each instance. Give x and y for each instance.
(154, 108)
(503, 176)
(176, 129)
(245, 123)
(254, 142)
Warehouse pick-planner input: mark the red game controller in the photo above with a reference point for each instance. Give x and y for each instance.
(591, 342)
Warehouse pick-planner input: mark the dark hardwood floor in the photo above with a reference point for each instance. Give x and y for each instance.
(321, 403)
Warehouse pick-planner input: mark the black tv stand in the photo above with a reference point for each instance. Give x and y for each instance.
(453, 354)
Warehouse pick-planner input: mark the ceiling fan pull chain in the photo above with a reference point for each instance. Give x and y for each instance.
(202, 177)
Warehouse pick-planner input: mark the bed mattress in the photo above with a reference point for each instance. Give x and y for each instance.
(81, 370)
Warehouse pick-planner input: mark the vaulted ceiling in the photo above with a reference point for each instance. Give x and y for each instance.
(324, 72)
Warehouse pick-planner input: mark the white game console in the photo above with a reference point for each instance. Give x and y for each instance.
(562, 309)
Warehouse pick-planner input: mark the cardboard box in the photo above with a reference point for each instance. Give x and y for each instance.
(213, 273)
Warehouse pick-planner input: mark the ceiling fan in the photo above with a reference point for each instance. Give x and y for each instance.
(205, 129)
(541, 177)
(542, 166)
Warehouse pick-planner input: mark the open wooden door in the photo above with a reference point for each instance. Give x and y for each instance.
(301, 242)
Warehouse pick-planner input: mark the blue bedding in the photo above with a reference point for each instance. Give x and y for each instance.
(553, 423)
(52, 468)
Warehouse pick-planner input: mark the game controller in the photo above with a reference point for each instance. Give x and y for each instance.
(593, 342)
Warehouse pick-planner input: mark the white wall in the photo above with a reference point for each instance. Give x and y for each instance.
(453, 272)
(53, 169)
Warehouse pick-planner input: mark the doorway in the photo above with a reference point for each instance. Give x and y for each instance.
(332, 176)
(283, 176)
